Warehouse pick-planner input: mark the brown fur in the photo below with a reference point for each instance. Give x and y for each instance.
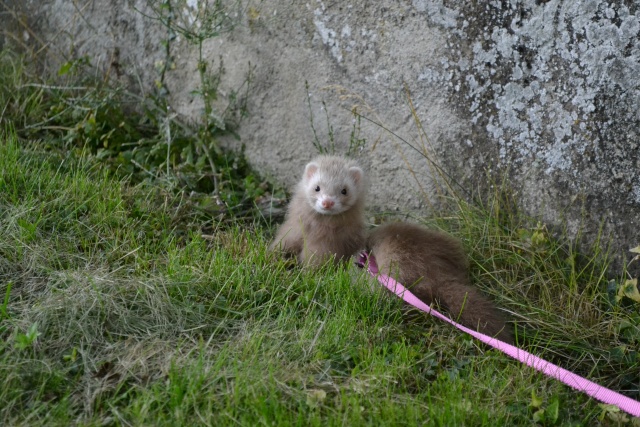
(312, 236)
(434, 267)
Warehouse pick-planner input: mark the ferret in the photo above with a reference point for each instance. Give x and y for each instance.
(434, 267)
(325, 218)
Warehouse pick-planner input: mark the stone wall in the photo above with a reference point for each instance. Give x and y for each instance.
(544, 92)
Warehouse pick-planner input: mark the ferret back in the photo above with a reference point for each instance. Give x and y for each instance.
(420, 251)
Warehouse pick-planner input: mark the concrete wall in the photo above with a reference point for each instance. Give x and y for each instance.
(545, 91)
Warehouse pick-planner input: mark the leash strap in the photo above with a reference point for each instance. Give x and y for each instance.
(569, 378)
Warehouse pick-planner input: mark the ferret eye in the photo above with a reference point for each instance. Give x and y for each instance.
(344, 191)
(317, 188)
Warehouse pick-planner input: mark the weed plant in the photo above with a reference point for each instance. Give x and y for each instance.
(86, 113)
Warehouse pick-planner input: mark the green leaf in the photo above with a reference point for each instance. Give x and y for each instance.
(538, 416)
(551, 413)
(607, 409)
(536, 402)
(33, 333)
(26, 340)
(65, 68)
(630, 290)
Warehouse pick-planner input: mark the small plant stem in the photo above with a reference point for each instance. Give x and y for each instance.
(167, 125)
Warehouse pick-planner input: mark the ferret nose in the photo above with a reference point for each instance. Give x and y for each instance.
(328, 204)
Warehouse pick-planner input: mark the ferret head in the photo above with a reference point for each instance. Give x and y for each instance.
(332, 185)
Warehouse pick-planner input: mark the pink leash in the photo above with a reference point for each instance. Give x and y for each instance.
(569, 378)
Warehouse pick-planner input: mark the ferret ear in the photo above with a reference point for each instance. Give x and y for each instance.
(356, 174)
(310, 170)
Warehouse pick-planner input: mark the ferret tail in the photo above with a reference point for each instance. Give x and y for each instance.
(469, 307)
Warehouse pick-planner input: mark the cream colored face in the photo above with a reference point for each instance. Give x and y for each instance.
(332, 192)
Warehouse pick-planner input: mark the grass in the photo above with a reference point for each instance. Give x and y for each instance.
(112, 318)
